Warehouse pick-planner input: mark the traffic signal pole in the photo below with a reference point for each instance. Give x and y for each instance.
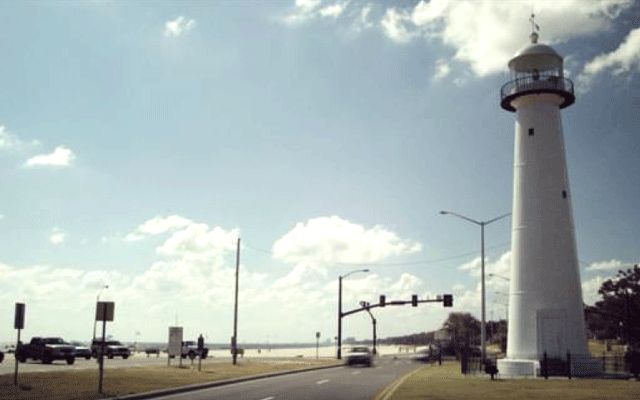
(446, 299)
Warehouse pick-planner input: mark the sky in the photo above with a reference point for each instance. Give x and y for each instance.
(140, 140)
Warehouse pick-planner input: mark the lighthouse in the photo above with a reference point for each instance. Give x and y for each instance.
(545, 296)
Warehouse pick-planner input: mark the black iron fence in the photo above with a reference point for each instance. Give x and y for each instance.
(608, 365)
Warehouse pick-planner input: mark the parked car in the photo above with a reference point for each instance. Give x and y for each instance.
(112, 348)
(81, 350)
(190, 349)
(359, 355)
(152, 350)
(46, 350)
(428, 354)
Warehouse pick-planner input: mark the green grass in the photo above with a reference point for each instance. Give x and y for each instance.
(83, 384)
(446, 382)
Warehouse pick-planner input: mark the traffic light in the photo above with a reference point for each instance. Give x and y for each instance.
(383, 300)
(414, 300)
(447, 300)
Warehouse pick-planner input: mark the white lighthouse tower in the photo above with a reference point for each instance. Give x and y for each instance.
(545, 296)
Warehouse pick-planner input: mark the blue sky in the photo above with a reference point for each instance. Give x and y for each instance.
(139, 140)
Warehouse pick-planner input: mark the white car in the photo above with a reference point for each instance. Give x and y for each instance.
(359, 355)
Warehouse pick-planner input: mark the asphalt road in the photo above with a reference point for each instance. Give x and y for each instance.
(348, 383)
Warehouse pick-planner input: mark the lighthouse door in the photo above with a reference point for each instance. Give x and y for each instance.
(551, 333)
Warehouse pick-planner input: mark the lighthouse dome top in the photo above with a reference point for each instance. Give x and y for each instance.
(536, 56)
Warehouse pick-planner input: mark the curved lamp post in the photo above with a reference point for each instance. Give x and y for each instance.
(482, 224)
(340, 308)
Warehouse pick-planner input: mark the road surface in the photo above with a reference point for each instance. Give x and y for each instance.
(348, 383)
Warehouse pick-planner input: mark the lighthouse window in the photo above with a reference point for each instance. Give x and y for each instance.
(564, 194)
(530, 131)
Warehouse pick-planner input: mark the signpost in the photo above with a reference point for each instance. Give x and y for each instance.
(175, 344)
(18, 323)
(317, 343)
(104, 313)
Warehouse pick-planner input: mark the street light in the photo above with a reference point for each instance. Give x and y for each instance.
(340, 308)
(482, 224)
(97, 300)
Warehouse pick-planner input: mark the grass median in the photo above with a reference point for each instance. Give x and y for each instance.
(446, 382)
(83, 384)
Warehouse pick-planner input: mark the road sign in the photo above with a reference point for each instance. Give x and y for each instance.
(18, 321)
(175, 341)
(317, 335)
(105, 310)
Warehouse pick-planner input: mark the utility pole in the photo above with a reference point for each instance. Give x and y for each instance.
(234, 339)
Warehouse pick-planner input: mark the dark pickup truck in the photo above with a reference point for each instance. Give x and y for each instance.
(46, 350)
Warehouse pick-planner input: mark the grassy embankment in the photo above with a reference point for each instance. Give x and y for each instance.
(83, 384)
(446, 382)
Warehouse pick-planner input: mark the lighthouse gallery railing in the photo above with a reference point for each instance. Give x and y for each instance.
(537, 84)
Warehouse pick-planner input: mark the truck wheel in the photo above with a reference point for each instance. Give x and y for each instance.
(124, 357)
(21, 358)
(71, 360)
(110, 355)
(87, 357)
(192, 355)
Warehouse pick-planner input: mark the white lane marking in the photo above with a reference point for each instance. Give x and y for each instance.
(322, 382)
(268, 398)
(356, 372)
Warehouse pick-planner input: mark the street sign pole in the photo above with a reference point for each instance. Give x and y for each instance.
(15, 373)
(104, 313)
(104, 331)
(18, 323)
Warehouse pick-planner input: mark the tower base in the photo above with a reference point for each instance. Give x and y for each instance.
(514, 368)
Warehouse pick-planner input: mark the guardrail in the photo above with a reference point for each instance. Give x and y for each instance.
(537, 84)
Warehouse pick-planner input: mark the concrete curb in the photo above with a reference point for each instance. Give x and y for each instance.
(207, 385)
(388, 391)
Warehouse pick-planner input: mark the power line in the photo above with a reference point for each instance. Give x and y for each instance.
(395, 264)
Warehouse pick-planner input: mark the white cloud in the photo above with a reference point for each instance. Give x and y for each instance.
(362, 21)
(394, 25)
(307, 5)
(188, 239)
(306, 10)
(590, 289)
(485, 34)
(624, 59)
(8, 140)
(610, 265)
(60, 157)
(199, 241)
(157, 226)
(178, 26)
(57, 236)
(332, 11)
(331, 240)
(442, 70)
